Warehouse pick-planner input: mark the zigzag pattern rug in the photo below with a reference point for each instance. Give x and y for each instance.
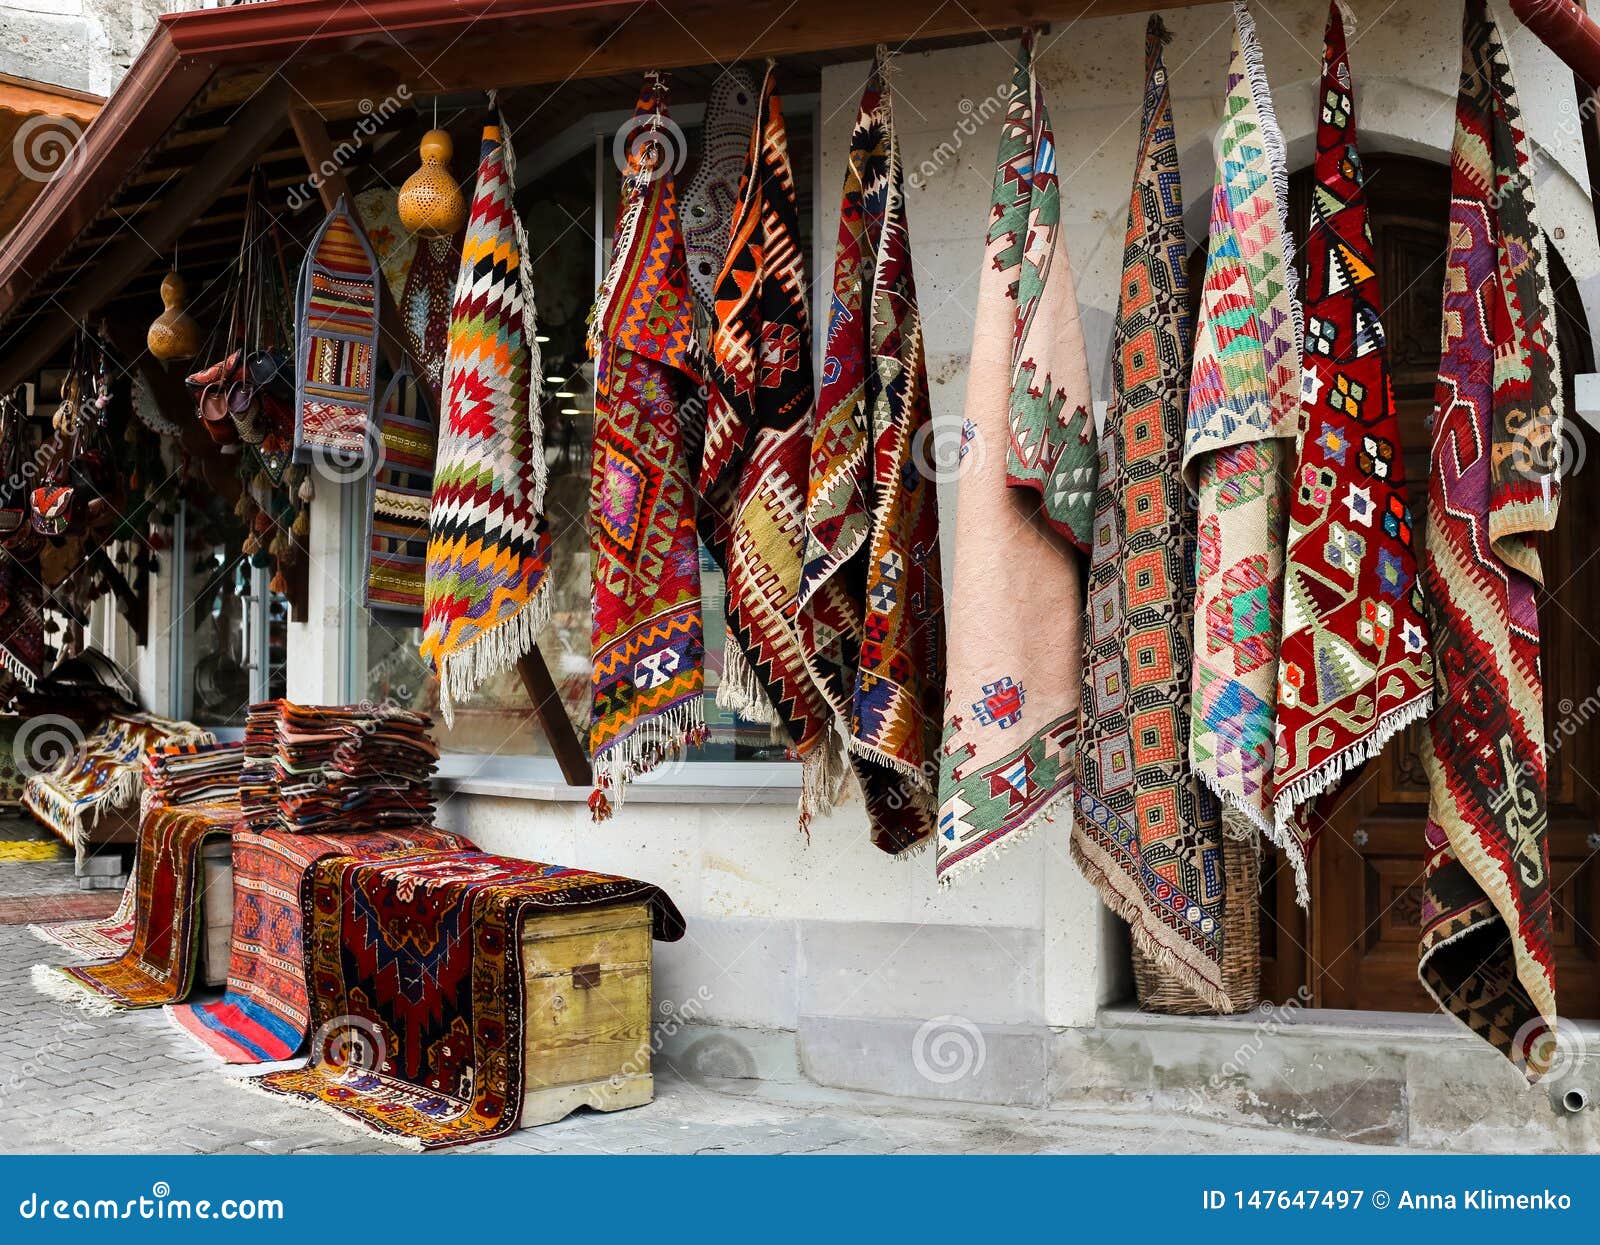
(648, 675)
(1147, 833)
(487, 595)
(1486, 927)
(336, 336)
(1011, 717)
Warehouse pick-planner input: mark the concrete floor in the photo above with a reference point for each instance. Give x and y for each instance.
(132, 1083)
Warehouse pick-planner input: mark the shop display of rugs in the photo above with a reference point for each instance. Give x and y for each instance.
(160, 961)
(487, 592)
(263, 1016)
(1488, 952)
(434, 1057)
(1355, 665)
(406, 438)
(103, 778)
(648, 639)
(309, 768)
(192, 774)
(871, 606)
(1011, 718)
(754, 472)
(336, 338)
(1148, 833)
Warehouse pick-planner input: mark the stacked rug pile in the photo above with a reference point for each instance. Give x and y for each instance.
(192, 774)
(356, 767)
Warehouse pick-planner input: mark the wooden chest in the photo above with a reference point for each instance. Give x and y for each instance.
(587, 1013)
(216, 912)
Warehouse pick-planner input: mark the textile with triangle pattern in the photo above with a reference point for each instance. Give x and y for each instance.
(871, 616)
(754, 472)
(1148, 832)
(1244, 406)
(487, 592)
(706, 207)
(1011, 713)
(1487, 953)
(649, 646)
(1354, 663)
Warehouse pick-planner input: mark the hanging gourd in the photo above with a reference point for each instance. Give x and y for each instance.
(173, 334)
(430, 201)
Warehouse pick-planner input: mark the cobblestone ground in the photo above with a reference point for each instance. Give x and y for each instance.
(132, 1083)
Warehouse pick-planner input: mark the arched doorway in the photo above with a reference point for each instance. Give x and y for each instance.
(1357, 948)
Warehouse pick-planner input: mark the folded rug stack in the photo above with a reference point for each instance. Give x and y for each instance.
(309, 769)
(191, 774)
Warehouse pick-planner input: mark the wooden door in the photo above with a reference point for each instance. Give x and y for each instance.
(1358, 947)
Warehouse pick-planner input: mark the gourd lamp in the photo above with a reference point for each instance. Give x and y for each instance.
(173, 334)
(430, 201)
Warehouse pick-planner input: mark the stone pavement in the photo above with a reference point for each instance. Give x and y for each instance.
(132, 1083)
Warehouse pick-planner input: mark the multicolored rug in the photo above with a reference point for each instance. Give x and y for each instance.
(159, 965)
(1354, 664)
(402, 486)
(871, 608)
(336, 335)
(1486, 923)
(487, 594)
(98, 938)
(1148, 832)
(648, 677)
(418, 963)
(425, 310)
(1244, 409)
(707, 207)
(1011, 713)
(264, 1014)
(104, 775)
(22, 656)
(756, 464)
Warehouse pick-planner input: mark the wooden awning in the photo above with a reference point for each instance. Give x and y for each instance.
(40, 127)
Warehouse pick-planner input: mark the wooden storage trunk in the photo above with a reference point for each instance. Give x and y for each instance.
(587, 1012)
(216, 912)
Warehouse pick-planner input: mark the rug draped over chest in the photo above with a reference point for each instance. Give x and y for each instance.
(159, 964)
(336, 339)
(487, 593)
(1244, 406)
(871, 614)
(754, 471)
(1147, 831)
(648, 676)
(1354, 663)
(1487, 954)
(263, 1016)
(1024, 470)
(422, 961)
(406, 438)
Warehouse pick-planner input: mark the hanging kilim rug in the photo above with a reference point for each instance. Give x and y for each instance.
(1354, 664)
(406, 438)
(22, 656)
(487, 594)
(1244, 407)
(649, 646)
(425, 309)
(263, 1016)
(1147, 831)
(871, 615)
(1486, 934)
(754, 473)
(102, 938)
(336, 337)
(1026, 467)
(444, 1039)
(708, 203)
(159, 964)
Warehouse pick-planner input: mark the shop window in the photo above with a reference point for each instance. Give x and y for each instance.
(569, 206)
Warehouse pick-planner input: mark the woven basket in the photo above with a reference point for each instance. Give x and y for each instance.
(1241, 941)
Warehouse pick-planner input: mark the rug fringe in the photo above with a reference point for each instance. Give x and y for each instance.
(821, 778)
(1257, 819)
(54, 983)
(658, 739)
(492, 651)
(252, 1085)
(740, 691)
(1046, 812)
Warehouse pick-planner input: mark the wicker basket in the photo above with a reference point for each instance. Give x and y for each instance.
(1241, 941)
